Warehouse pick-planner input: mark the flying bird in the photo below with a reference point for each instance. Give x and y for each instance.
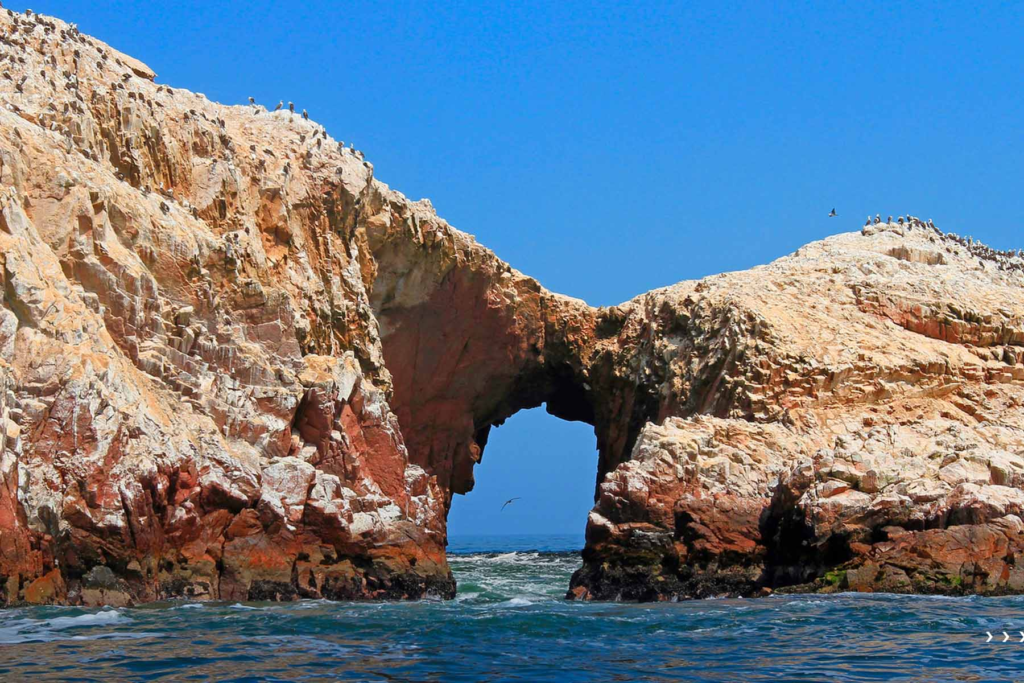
(509, 501)
(832, 213)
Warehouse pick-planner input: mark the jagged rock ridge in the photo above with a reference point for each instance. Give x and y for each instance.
(235, 365)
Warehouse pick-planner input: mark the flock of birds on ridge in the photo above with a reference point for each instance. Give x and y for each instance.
(1012, 259)
(1008, 259)
(31, 20)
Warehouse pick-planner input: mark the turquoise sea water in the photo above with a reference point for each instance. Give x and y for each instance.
(510, 623)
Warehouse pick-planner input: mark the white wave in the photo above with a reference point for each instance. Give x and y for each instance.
(517, 602)
(514, 557)
(240, 606)
(104, 618)
(17, 631)
(46, 630)
(952, 598)
(190, 605)
(309, 603)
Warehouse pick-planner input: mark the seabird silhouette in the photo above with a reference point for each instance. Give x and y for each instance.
(509, 501)
(832, 213)
(279, 105)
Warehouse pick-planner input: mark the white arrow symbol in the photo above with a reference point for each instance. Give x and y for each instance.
(989, 636)
(1021, 636)
(1006, 636)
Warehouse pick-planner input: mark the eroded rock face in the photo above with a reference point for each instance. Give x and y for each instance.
(194, 398)
(234, 365)
(851, 420)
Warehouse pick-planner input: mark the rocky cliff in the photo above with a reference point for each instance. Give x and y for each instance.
(235, 365)
(846, 418)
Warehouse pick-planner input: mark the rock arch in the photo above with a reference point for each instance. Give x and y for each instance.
(469, 341)
(235, 364)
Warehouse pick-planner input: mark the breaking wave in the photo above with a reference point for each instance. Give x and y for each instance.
(17, 628)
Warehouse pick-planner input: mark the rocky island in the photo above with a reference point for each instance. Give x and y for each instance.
(235, 365)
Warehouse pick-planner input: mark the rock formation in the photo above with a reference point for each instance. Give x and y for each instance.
(234, 365)
(845, 418)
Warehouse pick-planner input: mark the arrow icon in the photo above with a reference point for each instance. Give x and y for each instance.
(1006, 636)
(1021, 636)
(989, 636)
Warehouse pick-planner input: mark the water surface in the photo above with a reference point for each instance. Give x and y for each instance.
(510, 623)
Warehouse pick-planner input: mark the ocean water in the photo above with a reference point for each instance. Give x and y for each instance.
(510, 623)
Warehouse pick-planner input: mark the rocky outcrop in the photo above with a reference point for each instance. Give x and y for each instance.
(195, 399)
(846, 418)
(235, 365)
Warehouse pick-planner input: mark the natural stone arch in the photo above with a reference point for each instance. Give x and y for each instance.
(189, 339)
(469, 342)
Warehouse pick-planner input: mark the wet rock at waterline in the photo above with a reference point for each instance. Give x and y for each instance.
(234, 365)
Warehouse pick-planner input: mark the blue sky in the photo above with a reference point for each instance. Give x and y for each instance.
(610, 148)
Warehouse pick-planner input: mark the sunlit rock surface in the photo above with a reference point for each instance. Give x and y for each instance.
(845, 418)
(234, 365)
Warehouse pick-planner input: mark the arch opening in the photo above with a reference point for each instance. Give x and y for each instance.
(546, 461)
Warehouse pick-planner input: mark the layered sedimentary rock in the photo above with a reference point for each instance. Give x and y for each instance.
(234, 365)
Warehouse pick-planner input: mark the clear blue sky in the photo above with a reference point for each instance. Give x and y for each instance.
(610, 149)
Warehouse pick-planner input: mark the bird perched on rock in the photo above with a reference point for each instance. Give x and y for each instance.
(878, 218)
(900, 220)
(279, 105)
(252, 100)
(291, 107)
(832, 213)
(305, 114)
(867, 222)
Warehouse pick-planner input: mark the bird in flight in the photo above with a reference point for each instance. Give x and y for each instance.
(832, 213)
(509, 501)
